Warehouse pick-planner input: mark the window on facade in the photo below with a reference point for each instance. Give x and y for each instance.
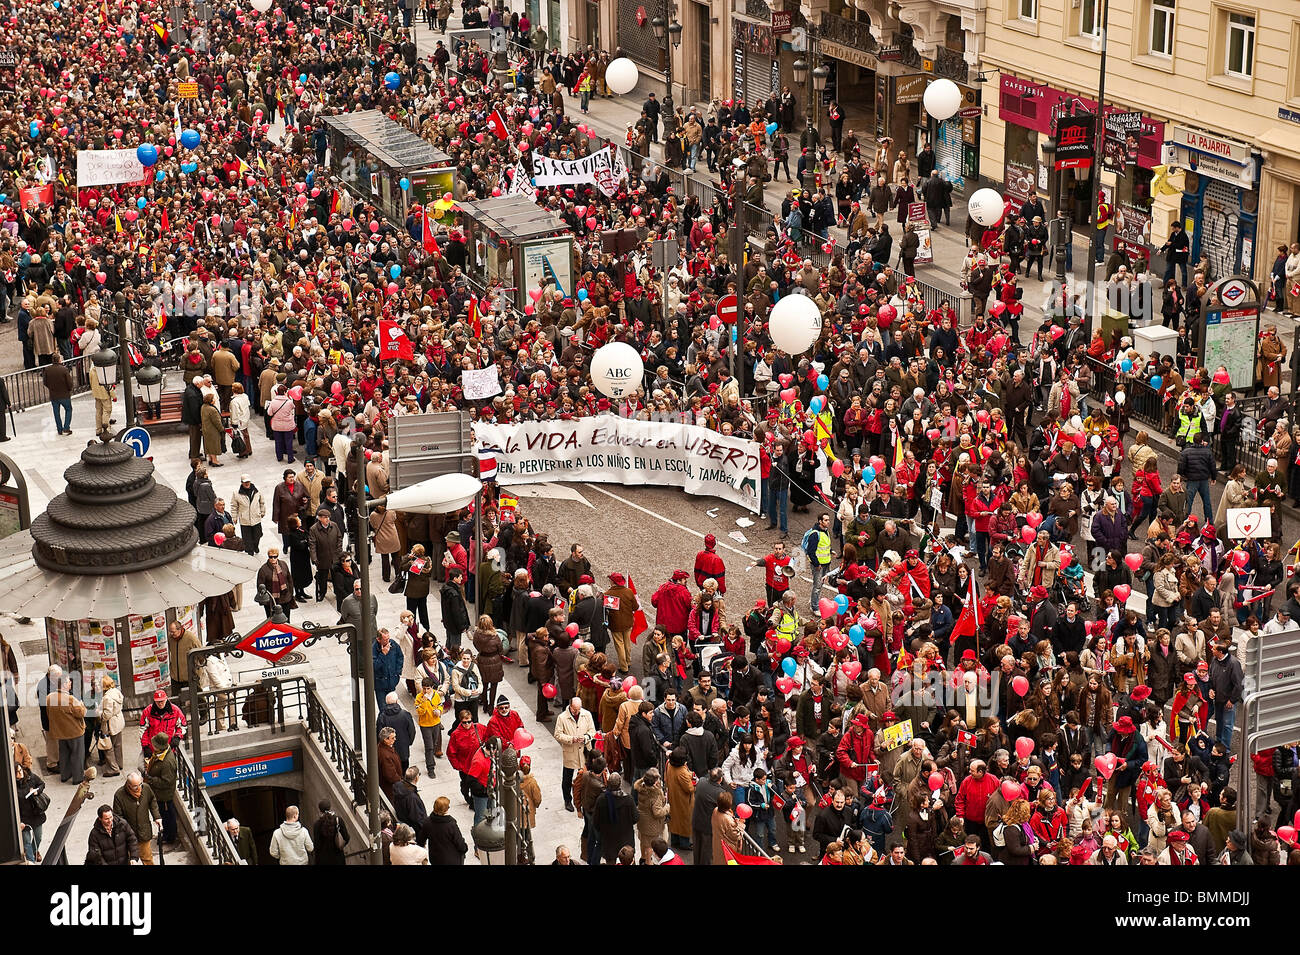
(1162, 28)
(1028, 9)
(1240, 46)
(1090, 18)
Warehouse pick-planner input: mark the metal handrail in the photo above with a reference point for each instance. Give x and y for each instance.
(207, 821)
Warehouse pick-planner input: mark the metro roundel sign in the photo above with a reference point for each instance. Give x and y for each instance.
(272, 641)
(728, 308)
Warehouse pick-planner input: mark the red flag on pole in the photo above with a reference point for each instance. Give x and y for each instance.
(429, 242)
(968, 622)
(393, 343)
(497, 125)
(475, 319)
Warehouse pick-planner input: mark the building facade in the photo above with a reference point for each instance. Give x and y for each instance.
(1201, 116)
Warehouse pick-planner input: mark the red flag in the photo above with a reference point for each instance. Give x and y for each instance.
(639, 623)
(429, 242)
(735, 858)
(497, 125)
(393, 343)
(968, 622)
(166, 223)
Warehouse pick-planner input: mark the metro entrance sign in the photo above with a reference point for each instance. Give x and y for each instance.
(728, 308)
(272, 641)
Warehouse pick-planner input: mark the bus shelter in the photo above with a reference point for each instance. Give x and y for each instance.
(372, 154)
(517, 246)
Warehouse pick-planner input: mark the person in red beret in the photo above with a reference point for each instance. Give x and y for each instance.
(1130, 752)
(709, 565)
(672, 603)
(856, 750)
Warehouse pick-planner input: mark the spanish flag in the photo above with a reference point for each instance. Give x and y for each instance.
(117, 223)
(898, 455)
(244, 169)
(163, 35)
(735, 858)
(475, 319)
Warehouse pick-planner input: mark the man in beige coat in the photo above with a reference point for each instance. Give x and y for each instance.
(574, 730)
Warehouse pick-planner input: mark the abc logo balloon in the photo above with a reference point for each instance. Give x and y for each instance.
(617, 370)
(985, 206)
(621, 75)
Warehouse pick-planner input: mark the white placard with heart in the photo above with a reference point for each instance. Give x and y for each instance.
(1246, 523)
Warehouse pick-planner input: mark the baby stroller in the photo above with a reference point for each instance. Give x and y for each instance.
(718, 664)
(1070, 586)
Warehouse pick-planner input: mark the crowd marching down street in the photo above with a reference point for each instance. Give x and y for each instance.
(1012, 633)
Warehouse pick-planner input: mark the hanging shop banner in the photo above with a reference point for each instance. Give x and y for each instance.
(107, 167)
(613, 450)
(562, 172)
(1074, 142)
(1133, 230)
(1122, 142)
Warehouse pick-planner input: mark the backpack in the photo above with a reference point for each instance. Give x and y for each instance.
(339, 841)
(999, 835)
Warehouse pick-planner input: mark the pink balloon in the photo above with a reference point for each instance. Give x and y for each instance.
(1024, 746)
(827, 608)
(1011, 790)
(1133, 562)
(374, 226)
(789, 395)
(522, 739)
(336, 388)
(347, 225)
(591, 222)
(743, 810)
(392, 288)
(837, 468)
(296, 392)
(628, 683)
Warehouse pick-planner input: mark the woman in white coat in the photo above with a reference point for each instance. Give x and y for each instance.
(241, 413)
(111, 724)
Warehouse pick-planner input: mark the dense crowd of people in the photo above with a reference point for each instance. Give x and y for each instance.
(973, 675)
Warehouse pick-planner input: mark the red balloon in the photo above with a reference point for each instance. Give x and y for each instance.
(1027, 534)
(522, 739)
(549, 691)
(785, 684)
(935, 782)
(1024, 746)
(743, 810)
(628, 683)
(1134, 561)
(933, 434)
(851, 668)
(218, 538)
(1105, 765)
(1011, 790)
(1033, 519)
(571, 629)
(827, 608)
(1080, 439)
(1286, 835)
(1122, 592)
(1019, 685)
(1241, 559)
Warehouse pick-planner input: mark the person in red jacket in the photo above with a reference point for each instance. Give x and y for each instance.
(972, 795)
(776, 580)
(857, 748)
(981, 507)
(709, 564)
(672, 603)
(1049, 822)
(914, 568)
(505, 721)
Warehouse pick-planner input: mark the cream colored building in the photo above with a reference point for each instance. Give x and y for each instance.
(1217, 85)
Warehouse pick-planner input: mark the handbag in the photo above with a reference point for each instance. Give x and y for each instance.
(237, 443)
(103, 742)
(40, 800)
(398, 584)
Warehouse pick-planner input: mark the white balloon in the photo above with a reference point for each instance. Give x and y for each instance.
(621, 75)
(1120, 397)
(617, 370)
(1095, 441)
(795, 323)
(1076, 422)
(261, 6)
(985, 206)
(942, 99)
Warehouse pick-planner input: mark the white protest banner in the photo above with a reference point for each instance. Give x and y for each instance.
(613, 450)
(560, 172)
(608, 178)
(517, 185)
(479, 383)
(1247, 523)
(107, 167)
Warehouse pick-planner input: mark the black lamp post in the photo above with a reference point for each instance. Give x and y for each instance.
(813, 79)
(668, 32)
(1095, 245)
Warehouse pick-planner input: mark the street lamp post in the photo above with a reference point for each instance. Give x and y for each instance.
(1094, 300)
(813, 79)
(668, 32)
